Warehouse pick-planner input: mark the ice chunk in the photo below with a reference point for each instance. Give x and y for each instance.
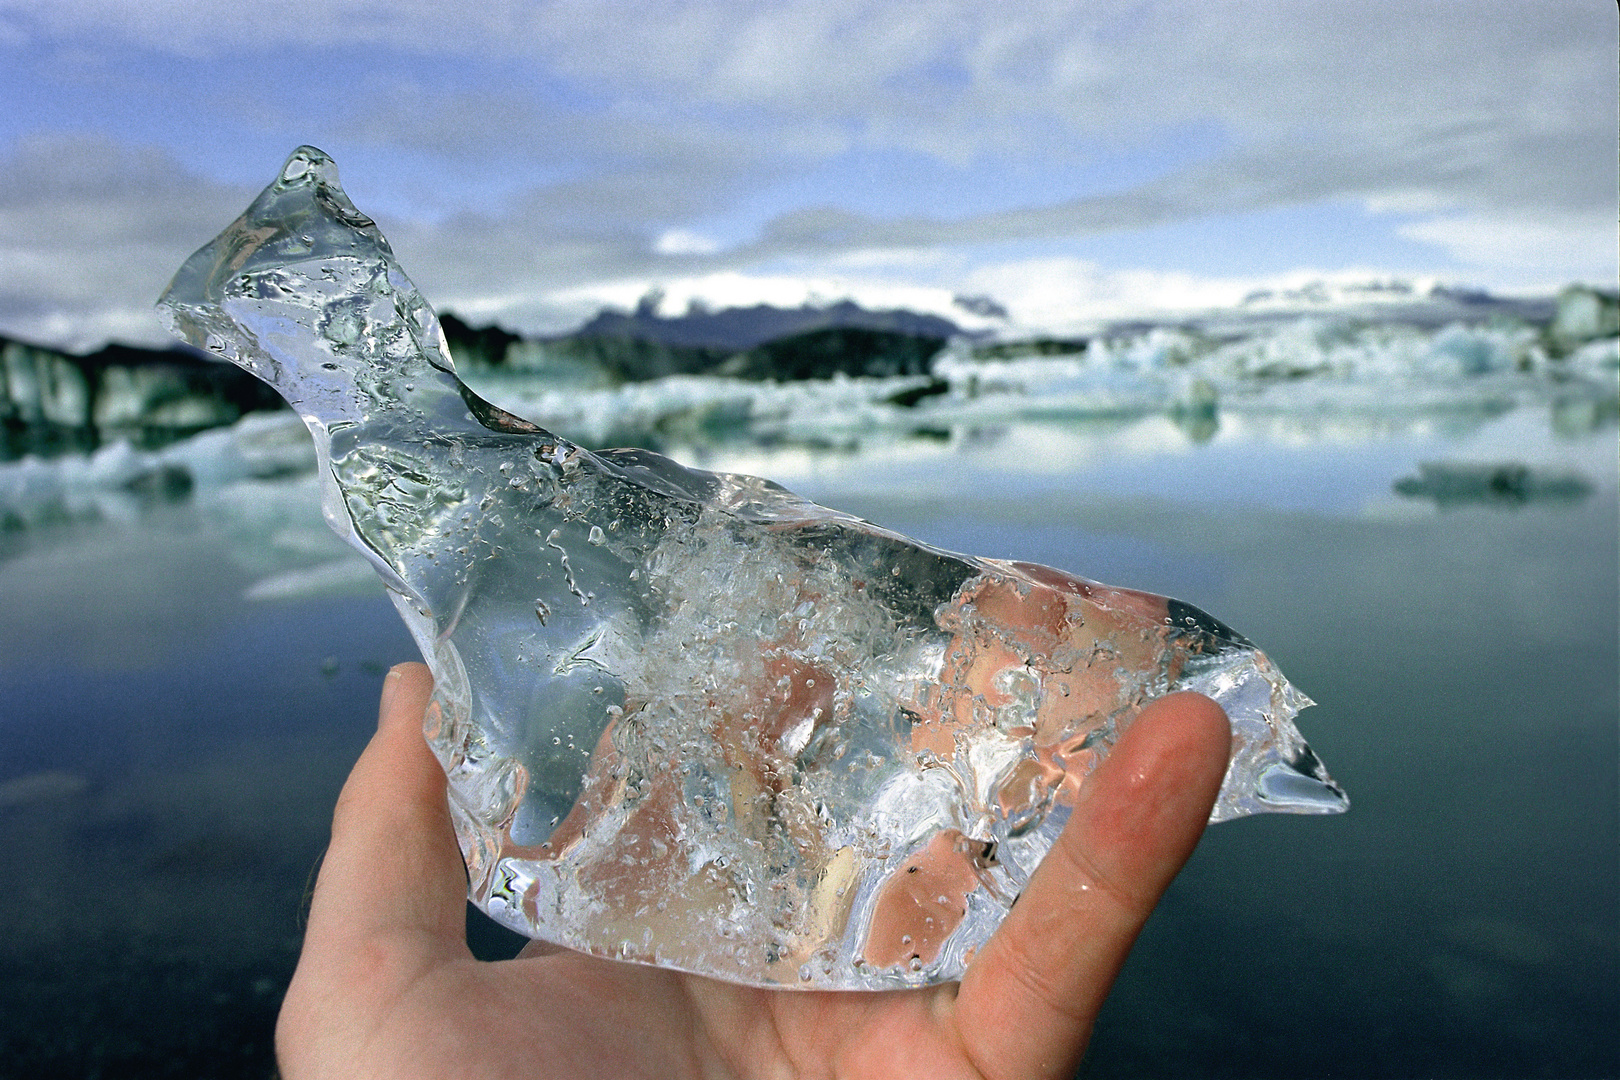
(1460, 483)
(689, 718)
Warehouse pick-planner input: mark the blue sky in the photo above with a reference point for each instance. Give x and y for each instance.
(1075, 161)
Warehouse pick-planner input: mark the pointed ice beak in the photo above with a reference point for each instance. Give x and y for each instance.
(1302, 786)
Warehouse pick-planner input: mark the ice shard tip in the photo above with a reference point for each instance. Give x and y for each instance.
(689, 718)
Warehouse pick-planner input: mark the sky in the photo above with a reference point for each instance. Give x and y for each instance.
(1072, 161)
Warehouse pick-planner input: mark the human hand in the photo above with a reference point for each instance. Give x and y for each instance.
(387, 988)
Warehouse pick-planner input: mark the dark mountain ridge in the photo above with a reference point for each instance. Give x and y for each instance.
(757, 343)
(735, 329)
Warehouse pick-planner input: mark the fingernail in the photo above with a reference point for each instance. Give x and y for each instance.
(390, 686)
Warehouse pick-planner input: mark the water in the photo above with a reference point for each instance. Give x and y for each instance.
(1459, 921)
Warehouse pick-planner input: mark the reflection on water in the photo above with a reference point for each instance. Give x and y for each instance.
(1448, 483)
(186, 683)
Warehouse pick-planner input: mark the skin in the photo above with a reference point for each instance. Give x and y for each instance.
(386, 987)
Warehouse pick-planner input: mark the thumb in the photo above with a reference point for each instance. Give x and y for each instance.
(393, 878)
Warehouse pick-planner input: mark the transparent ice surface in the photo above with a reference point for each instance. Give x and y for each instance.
(689, 718)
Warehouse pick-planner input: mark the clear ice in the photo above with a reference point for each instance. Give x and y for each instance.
(689, 718)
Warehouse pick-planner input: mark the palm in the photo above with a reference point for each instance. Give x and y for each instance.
(572, 1015)
(387, 988)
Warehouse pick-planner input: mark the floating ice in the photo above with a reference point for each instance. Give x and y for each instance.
(1461, 483)
(689, 718)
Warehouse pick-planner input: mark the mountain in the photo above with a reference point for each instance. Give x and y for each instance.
(758, 343)
(836, 350)
(732, 330)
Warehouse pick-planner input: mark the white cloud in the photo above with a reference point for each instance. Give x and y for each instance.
(684, 242)
(1061, 294)
(1546, 249)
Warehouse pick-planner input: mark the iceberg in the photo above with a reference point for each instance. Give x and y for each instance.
(689, 718)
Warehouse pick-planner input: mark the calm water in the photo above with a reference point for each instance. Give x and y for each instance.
(169, 750)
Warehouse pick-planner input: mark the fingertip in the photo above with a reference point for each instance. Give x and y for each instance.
(390, 687)
(402, 687)
(393, 868)
(397, 770)
(1178, 747)
(1146, 807)
(1201, 722)
(1181, 743)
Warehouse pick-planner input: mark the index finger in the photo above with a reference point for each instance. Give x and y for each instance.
(1029, 999)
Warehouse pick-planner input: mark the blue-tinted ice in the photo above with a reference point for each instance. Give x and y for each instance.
(689, 718)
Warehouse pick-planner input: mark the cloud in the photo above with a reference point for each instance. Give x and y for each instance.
(685, 242)
(826, 75)
(90, 232)
(530, 147)
(1546, 249)
(1062, 294)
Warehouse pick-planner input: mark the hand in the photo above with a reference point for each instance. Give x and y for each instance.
(386, 987)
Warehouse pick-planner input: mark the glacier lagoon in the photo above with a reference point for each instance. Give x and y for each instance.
(187, 680)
